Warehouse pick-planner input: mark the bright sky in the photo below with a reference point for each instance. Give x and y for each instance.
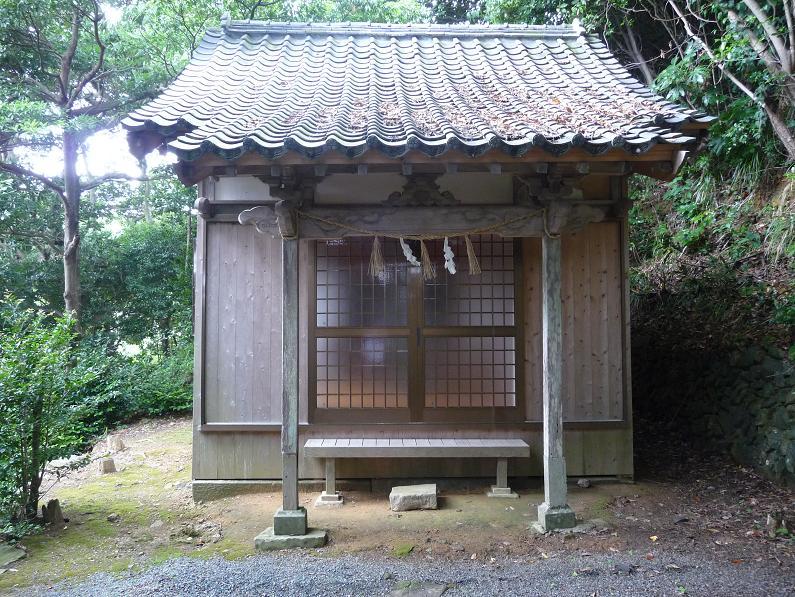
(106, 152)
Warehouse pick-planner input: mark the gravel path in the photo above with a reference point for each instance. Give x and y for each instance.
(306, 574)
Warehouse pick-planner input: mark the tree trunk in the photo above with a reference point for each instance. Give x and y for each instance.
(34, 473)
(785, 134)
(165, 336)
(71, 228)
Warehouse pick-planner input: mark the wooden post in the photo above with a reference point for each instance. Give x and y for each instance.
(554, 513)
(290, 519)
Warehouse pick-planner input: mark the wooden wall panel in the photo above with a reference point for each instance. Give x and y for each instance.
(531, 295)
(593, 312)
(242, 365)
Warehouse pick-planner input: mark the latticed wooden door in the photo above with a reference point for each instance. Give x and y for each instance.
(399, 348)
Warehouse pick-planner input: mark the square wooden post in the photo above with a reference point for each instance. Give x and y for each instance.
(290, 519)
(555, 512)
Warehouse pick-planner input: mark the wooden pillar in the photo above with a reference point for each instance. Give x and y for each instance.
(290, 519)
(554, 513)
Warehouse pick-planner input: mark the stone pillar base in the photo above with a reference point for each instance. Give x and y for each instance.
(551, 518)
(289, 522)
(502, 492)
(329, 500)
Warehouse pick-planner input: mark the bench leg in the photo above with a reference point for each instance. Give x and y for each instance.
(330, 497)
(501, 489)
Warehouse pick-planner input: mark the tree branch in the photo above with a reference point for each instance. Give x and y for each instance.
(87, 78)
(719, 63)
(45, 241)
(69, 55)
(772, 34)
(114, 176)
(756, 43)
(259, 4)
(789, 13)
(103, 107)
(21, 172)
(45, 93)
(773, 66)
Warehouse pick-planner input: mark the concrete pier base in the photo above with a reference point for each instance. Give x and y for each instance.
(269, 541)
(554, 518)
(329, 500)
(290, 522)
(502, 492)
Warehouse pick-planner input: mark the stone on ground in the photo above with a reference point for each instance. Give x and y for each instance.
(584, 483)
(116, 444)
(10, 554)
(268, 541)
(106, 465)
(413, 497)
(51, 512)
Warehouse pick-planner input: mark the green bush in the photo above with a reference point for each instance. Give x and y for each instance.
(59, 392)
(124, 387)
(39, 403)
(164, 384)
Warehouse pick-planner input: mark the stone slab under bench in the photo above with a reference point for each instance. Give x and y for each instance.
(413, 497)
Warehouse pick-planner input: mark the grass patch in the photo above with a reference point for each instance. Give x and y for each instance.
(227, 548)
(601, 509)
(402, 550)
(163, 554)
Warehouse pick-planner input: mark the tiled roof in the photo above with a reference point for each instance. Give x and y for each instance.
(274, 87)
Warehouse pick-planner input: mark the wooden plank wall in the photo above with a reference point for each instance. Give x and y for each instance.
(593, 348)
(243, 326)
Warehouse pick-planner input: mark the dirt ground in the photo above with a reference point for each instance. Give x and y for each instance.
(144, 515)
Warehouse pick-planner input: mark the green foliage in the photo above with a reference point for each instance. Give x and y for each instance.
(124, 386)
(39, 405)
(137, 284)
(376, 11)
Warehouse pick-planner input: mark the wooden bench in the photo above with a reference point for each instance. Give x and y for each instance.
(331, 449)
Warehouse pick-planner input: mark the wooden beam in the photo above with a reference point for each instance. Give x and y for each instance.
(339, 222)
(285, 220)
(441, 167)
(416, 157)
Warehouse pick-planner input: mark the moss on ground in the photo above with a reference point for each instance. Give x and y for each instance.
(401, 551)
(140, 494)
